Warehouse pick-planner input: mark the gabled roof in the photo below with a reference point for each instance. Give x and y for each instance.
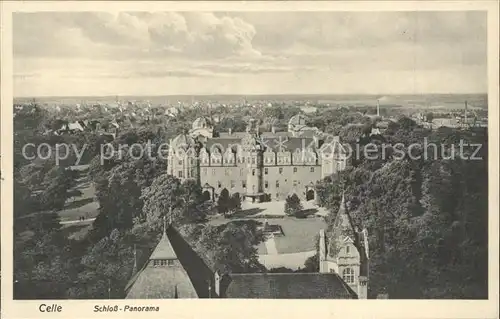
(163, 250)
(289, 286)
(161, 283)
(189, 277)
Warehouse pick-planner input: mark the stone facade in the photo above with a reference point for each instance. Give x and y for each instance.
(261, 166)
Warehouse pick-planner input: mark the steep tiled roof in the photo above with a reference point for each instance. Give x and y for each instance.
(197, 267)
(272, 140)
(188, 277)
(163, 250)
(161, 283)
(289, 286)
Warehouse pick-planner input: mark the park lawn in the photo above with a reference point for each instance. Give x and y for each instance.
(299, 233)
(81, 206)
(77, 231)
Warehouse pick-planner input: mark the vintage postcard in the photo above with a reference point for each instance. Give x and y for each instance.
(288, 159)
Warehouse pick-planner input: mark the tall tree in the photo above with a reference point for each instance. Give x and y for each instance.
(223, 202)
(293, 205)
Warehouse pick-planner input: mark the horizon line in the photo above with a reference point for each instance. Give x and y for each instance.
(252, 94)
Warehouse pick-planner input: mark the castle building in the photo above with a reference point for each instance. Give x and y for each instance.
(261, 166)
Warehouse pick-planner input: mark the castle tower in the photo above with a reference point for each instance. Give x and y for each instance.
(255, 162)
(254, 175)
(182, 157)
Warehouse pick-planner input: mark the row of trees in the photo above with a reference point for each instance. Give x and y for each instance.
(427, 219)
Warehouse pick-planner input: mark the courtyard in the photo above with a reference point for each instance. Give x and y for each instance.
(298, 242)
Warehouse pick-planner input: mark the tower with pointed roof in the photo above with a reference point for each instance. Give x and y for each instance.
(340, 255)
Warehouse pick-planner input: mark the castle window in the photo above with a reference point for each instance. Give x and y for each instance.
(213, 171)
(232, 184)
(266, 184)
(227, 172)
(347, 249)
(281, 170)
(311, 169)
(253, 160)
(244, 184)
(179, 174)
(295, 169)
(277, 184)
(348, 275)
(180, 162)
(294, 183)
(253, 172)
(219, 184)
(266, 171)
(205, 171)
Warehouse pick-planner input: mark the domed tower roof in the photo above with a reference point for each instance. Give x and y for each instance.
(182, 141)
(201, 122)
(297, 120)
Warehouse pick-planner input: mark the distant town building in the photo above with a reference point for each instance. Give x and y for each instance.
(261, 166)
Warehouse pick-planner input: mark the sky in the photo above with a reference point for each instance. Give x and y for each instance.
(169, 53)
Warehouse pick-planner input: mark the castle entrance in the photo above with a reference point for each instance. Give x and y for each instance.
(310, 194)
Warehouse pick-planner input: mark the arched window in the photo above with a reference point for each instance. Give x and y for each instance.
(348, 275)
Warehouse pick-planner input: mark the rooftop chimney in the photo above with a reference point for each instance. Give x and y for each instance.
(273, 129)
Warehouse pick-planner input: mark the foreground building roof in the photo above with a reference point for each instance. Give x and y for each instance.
(288, 286)
(173, 270)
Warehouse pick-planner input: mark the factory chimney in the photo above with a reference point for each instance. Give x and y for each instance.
(465, 115)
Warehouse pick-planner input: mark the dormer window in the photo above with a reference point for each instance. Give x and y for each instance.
(163, 262)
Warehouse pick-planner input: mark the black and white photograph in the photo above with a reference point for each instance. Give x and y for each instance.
(248, 154)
